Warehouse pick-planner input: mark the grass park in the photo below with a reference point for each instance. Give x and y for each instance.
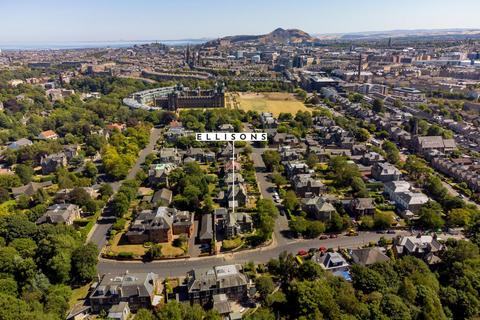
(274, 102)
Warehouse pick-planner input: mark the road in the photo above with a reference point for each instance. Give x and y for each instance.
(98, 234)
(266, 189)
(455, 193)
(179, 267)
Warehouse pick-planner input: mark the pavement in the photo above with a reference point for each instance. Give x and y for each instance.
(179, 267)
(99, 232)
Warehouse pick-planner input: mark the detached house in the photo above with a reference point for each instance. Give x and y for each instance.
(293, 168)
(240, 193)
(331, 261)
(160, 225)
(306, 186)
(48, 135)
(64, 213)
(203, 284)
(362, 206)
(137, 289)
(158, 173)
(237, 223)
(385, 172)
(284, 139)
(318, 207)
(423, 247)
(20, 143)
(169, 155)
(52, 162)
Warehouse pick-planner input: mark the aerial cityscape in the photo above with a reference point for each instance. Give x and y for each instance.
(261, 161)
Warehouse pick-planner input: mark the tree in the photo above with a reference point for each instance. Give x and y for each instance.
(154, 252)
(24, 246)
(279, 180)
(261, 314)
(367, 280)
(290, 201)
(8, 286)
(312, 160)
(60, 267)
(106, 190)
(377, 106)
(435, 188)
(90, 170)
(362, 135)
(382, 220)
(458, 217)
(4, 195)
(393, 154)
(84, 263)
(394, 307)
(430, 216)
(267, 212)
(336, 223)
(79, 196)
(310, 270)
(265, 286)
(314, 229)
(24, 172)
(56, 299)
(144, 314)
(271, 158)
(120, 204)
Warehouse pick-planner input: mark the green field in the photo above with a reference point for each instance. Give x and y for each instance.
(274, 102)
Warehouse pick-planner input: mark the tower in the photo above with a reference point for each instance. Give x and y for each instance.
(390, 42)
(187, 55)
(359, 68)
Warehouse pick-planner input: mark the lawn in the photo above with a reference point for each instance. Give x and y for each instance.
(119, 244)
(232, 244)
(274, 102)
(78, 294)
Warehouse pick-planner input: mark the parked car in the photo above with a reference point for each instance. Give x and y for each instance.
(323, 237)
(333, 236)
(302, 252)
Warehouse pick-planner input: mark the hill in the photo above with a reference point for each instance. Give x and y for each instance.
(278, 35)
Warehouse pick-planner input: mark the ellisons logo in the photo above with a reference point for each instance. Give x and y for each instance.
(231, 136)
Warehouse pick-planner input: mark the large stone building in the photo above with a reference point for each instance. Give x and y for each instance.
(173, 98)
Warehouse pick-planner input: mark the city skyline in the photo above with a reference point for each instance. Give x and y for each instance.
(54, 20)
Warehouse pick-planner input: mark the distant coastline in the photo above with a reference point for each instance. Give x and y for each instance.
(64, 45)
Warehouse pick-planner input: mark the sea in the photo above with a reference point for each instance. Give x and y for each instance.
(6, 46)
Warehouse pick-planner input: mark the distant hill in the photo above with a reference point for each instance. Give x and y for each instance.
(415, 33)
(278, 35)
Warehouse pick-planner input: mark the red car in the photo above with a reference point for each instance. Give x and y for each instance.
(333, 236)
(302, 253)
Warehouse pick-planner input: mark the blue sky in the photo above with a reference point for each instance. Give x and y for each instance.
(100, 20)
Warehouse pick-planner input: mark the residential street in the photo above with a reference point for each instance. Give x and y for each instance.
(179, 267)
(98, 234)
(266, 189)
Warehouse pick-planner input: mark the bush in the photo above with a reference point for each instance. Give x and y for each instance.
(231, 244)
(119, 224)
(125, 255)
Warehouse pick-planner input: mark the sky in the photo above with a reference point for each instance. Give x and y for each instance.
(123, 20)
